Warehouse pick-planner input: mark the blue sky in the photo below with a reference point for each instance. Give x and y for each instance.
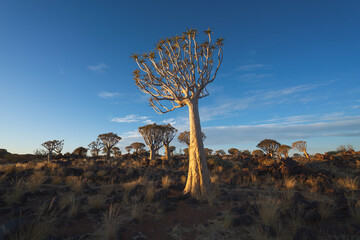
(290, 71)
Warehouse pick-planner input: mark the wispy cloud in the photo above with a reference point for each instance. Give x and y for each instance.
(132, 118)
(252, 67)
(257, 98)
(253, 133)
(105, 94)
(172, 121)
(99, 68)
(254, 76)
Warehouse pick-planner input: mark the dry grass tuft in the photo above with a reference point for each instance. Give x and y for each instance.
(17, 192)
(149, 191)
(289, 182)
(110, 224)
(326, 210)
(348, 183)
(75, 183)
(166, 182)
(131, 185)
(96, 201)
(34, 182)
(269, 209)
(355, 211)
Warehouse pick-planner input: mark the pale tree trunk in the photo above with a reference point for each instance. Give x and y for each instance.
(152, 153)
(167, 152)
(198, 181)
(306, 154)
(49, 156)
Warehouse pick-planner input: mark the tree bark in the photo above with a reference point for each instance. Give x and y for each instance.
(49, 156)
(167, 152)
(198, 181)
(306, 154)
(107, 154)
(152, 154)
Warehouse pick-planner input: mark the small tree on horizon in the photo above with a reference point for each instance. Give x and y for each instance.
(116, 151)
(169, 133)
(153, 137)
(59, 147)
(128, 149)
(301, 146)
(137, 146)
(269, 146)
(51, 146)
(233, 151)
(284, 150)
(95, 147)
(109, 140)
(184, 137)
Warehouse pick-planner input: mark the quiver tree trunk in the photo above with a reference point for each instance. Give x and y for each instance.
(49, 156)
(167, 152)
(306, 154)
(107, 155)
(152, 154)
(198, 181)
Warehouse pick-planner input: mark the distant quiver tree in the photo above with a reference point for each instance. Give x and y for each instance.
(169, 133)
(153, 137)
(52, 146)
(138, 146)
(175, 75)
(269, 146)
(301, 146)
(95, 147)
(109, 140)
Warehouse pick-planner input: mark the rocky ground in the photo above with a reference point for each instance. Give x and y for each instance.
(128, 198)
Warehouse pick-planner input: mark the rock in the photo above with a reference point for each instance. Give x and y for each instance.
(289, 167)
(304, 233)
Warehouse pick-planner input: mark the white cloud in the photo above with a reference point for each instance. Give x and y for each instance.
(131, 118)
(172, 121)
(254, 76)
(105, 94)
(98, 68)
(252, 67)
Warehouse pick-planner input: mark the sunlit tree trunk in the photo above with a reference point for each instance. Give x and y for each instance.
(167, 152)
(152, 154)
(198, 182)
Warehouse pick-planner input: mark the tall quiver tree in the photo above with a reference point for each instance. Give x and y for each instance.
(269, 146)
(175, 75)
(95, 147)
(52, 146)
(153, 137)
(169, 133)
(109, 140)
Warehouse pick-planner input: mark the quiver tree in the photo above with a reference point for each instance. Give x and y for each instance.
(109, 140)
(234, 151)
(172, 150)
(95, 147)
(300, 146)
(116, 151)
(220, 152)
(59, 147)
(80, 151)
(138, 146)
(208, 151)
(184, 137)
(169, 133)
(269, 146)
(284, 150)
(128, 149)
(257, 153)
(153, 137)
(175, 75)
(51, 146)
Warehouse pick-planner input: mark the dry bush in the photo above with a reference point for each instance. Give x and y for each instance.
(110, 224)
(88, 174)
(136, 207)
(297, 217)
(348, 183)
(56, 180)
(326, 209)
(166, 182)
(269, 209)
(34, 182)
(8, 168)
(17, 192)
(96, 201)
(101, 173)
